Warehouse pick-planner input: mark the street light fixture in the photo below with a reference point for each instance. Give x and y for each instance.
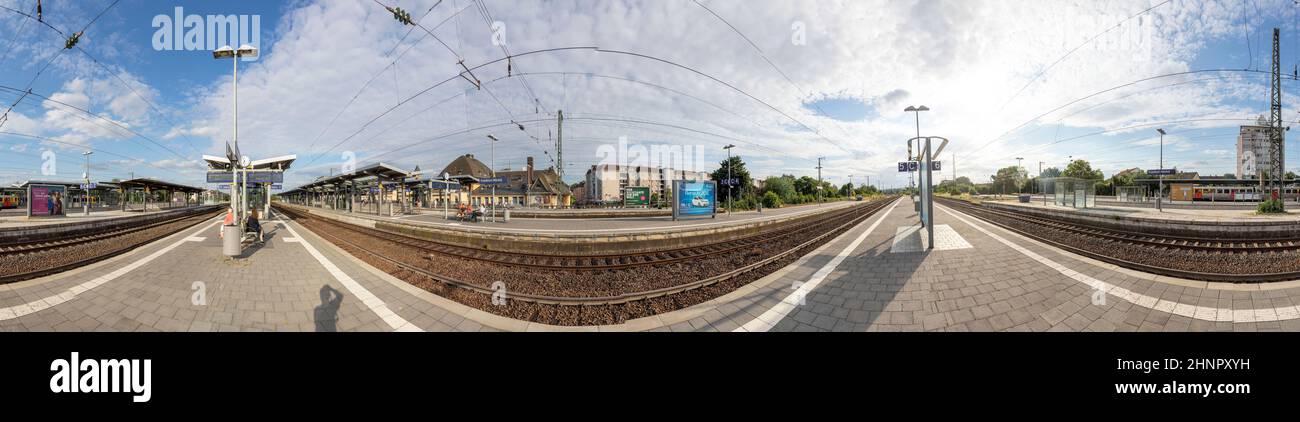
(1018, 172)
(239, 200)
(492, 167)
(86, 204)
(917, 110)
(1160, 195)
(730, 202)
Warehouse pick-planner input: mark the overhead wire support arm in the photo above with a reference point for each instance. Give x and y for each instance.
(475, 81)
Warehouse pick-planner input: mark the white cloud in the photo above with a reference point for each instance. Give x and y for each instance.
(965, 63)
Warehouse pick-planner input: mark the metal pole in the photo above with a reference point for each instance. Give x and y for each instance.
(86, 203)
(493, 158)
(730, 206)
(1161, 194)
(928, 195)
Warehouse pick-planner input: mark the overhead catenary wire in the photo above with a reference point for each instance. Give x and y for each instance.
(1076, 48)
(769, 61)
(88, 113)
(381, 71)
(1094, 94)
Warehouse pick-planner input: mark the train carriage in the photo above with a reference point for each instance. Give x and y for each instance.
(1240, 193)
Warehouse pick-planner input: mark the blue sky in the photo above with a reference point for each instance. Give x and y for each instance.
(991, 67)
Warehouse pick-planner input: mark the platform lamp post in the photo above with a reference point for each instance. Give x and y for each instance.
(226, 52)
(86, 203)
(730, 202)
(1042, 190)
(492, 159)
(1018, 159)
(917, 110)
(1161, 193)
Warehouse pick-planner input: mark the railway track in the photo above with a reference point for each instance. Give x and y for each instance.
(25, 261)
(1173, 256)
(585, 262)
(838, 223)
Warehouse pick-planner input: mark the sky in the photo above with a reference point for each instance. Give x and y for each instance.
(787, 82)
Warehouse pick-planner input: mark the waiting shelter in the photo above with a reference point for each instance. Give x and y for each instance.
(1070, 191)
(143, 194)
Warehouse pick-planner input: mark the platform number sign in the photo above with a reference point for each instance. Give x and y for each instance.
(936, 165)
(907, 166)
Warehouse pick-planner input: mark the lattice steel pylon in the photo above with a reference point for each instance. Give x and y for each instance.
(1275, 147)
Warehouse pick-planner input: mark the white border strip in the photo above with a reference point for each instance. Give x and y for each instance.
(369, 299)
(1203, 313)
(779, 311)
(72, 292)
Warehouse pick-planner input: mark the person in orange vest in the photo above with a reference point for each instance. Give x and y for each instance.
(228, 221)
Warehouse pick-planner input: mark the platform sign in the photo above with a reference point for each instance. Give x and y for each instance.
(636, 196)
(46, 200)
(91, 185)
(694, 198)
(731, 182)
(444, 186)
(253, 176)
(1162, 172)
(936, 165)
(907, 166)
(499, 180)
(277, 186)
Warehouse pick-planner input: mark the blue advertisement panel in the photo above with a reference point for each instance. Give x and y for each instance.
(695, 198)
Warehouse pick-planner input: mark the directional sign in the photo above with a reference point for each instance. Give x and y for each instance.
(256, 176)
(1161, 172)
(441, 185)
(906, 166)
(499, 180)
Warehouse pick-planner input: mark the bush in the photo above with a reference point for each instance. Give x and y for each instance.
(771, 200)
(1272, 206)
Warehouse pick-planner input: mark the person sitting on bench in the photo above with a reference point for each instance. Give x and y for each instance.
(253, 226)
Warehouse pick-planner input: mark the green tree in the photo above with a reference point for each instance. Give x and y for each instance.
(1009, 179)
(1050, 172)
(806, 185)
(1080, 169)
(782, 186)
(738, 171)
(771, 200)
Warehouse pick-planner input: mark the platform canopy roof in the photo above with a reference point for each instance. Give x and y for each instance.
(75, 184)
(380, 171)
(154, 184)
(274, 163)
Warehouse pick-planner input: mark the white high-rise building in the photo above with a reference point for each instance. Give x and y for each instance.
(605, 182)
(1252, 150)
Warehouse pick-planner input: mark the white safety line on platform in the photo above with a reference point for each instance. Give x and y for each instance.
(371, 301)
(1203, 313)
(72, 292)
(779, 311)
(195, 239)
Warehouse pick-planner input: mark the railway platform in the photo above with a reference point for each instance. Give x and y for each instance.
(878, 276)
(980, 277)
(1178, 211)
(293, 282)
(18, 219)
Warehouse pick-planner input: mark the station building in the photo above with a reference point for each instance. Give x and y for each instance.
(523, 188)
(605, 183)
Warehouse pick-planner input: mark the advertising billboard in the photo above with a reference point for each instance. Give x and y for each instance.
(694, 198)
(46, 200)
(636, 196)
